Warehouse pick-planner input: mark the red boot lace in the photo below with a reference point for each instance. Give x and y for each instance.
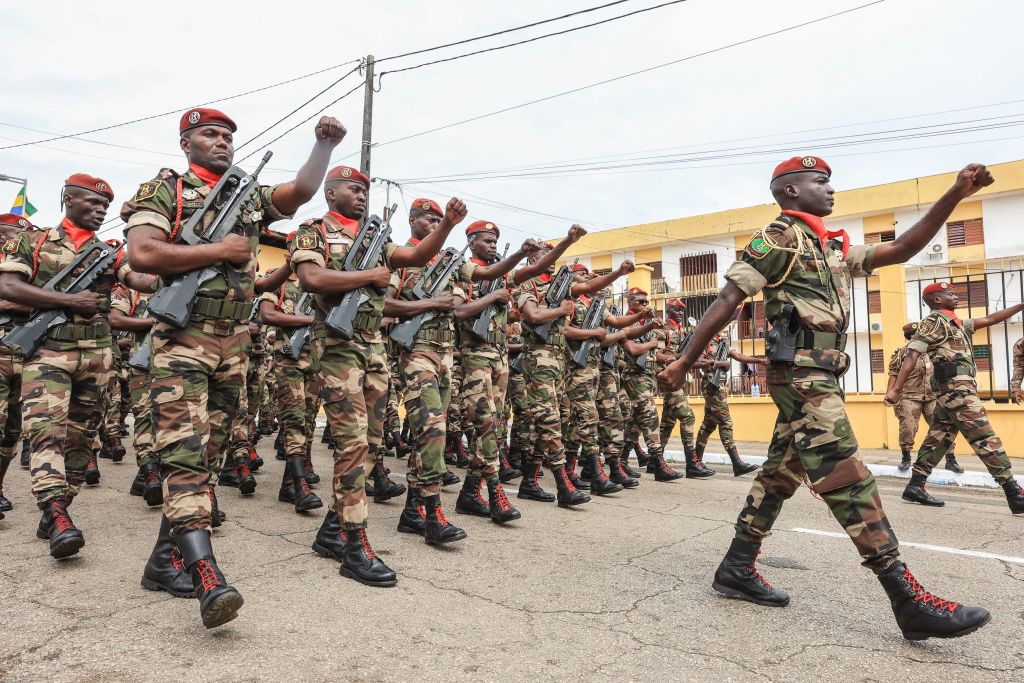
(752, 570)
(243, 469)
(926, 598)
(441, 519)
(664, 464)
(478, 495)
(152, 477)
(176, 560)
(568, 481)
(308, 466)
(499, 495)
(421, 512)
(61, 520)
(619, 469)
(304, 485)
(536, 476)
(207, 577)
(252, 452)
(365, 542)
(92, 460)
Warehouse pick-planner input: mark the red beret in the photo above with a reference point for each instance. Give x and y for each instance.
(200, 116)
(430, 206)
(802, 165)
(676, 303)
(15, 221)
(580, 268)
(935, 287)
(635, 291)
(349, 174)
(91, 183)
(482, 226)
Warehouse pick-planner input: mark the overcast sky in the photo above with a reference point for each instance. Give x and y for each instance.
(892, 66)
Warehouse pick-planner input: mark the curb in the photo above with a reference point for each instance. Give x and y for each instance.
(941, 477)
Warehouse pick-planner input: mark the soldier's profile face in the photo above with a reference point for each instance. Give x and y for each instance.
(946, 299)
(85, 209)
(812, 193)
(212, 147)
(422, 223)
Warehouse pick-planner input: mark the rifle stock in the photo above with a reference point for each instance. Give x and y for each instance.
(373, 236)
(482, 324)
(561, 285)
(140, 358)
(434, 280)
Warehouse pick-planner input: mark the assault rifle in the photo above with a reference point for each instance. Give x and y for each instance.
(363, 255)
(27, 338)
(483, 321)
(299, 335)
(641, 360)
(692, 322)
(721, 355)
(434, 280)
(140, 359)
(611, 354)
(590, 321)
(558, 290)
(173, 303)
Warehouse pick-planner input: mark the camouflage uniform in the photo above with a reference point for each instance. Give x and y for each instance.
(112, 397)
(427, 375)
(521, 439)
(354, 372)
(642, 415)
(198, 372)
(947, 340)
(716, 407)
(675, 406)
(1018, 366)
(812, 439)
(916, 398)
(392, 419)
(610, 432)
(582, 390)
(63, 384)
(454, 418)
(256, 381)
(10, 394)
(134, 304)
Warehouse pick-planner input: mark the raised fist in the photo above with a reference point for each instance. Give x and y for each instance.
(455, 211)
(576, 233)
(971, 179)
(330, 131)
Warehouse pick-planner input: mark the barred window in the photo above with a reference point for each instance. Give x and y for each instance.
(965, 233)
(983, 357)
(877, 361)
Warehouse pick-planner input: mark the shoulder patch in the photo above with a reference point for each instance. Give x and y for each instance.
(10, 246)
(758, 247)
(928, 325)
(146, 190)
(305, 241)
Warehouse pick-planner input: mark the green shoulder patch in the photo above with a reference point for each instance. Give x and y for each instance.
(306, 240)
(10, 246)
(758, 247)
(146, 190)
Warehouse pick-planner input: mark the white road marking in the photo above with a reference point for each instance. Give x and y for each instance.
(925, 546)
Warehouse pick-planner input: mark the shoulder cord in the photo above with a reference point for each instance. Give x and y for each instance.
(35, 254)
(177, 213)
(800, 241)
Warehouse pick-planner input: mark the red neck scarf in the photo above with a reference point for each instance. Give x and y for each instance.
(545, 278)
(818, 226)
(478, 261)
(952, 315)
(349, 225)
(206, 175)
(585, 300)
(675, 324)
(78, 236)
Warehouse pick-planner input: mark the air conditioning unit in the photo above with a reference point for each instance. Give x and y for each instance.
(876, 327)
(936, 252)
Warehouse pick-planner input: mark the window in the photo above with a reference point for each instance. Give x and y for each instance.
(751, 320)
(965, 233)
(656, 265)
(982, 357)
(601, 271)
(699, 272)
(874, 302)
(972, 293)
(877, 361)
(878, 237)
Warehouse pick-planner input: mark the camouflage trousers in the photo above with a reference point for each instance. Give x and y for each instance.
(112, 398)
(142, 430)
(484, 382)
(255, 385)
(355, 390)
(543, 374)
(581, 386)
(298, 398)
(675, 407)
(960, 410)
(908, 411)
(125, 409)
(455, 405)
(62, 403)
(813, 441)
(10, 405)
(268, 409)
(609, 412)
(392, 420)
(196, 391)
(521, 438)
(426, 376)
(642, 418)
(716, 415)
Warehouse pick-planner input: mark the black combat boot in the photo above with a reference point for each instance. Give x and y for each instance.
(1014, 496)
(246, 482)
(916, 493)
(438, 530)
(449, 449)
(116, 448)
(269, 427)
(695, 467)
(138, 483)
(501, 509)
(662, 472)
(228, 475)
(92, 471)
(255, 461)
(326, 437)
(952, 465)
(329, 542)
(739, 468)
(311, 476)
(600, 484)
(359, 562)
(286, 494)
(279, 453)
(218, 602)
(153, 492)
(216, 516)
(619, 474)
(529, 489)
(413, 517)
(737, 577)
(921, 615)
(401, 447)
(384, 489)
(641, 455)
(470, 500)
(5, 504)
(630, 472)
(450, 478)
(462, 458)
(65, 538)
(904, 462)
(26, 454)
(506, 472)
(568, 496)
(165, 570)
(583, 481)
(302, 495)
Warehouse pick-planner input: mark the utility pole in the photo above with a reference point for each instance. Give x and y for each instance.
(364, 158)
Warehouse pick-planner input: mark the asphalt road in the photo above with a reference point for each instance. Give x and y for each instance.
(616, 590)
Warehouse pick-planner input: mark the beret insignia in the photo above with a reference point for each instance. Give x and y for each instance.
(425, 206)
(809, 162)
(346, 173)
(193, 118)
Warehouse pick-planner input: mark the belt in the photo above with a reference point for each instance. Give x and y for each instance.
(813, 339)
(435, 336)
(553, 340)
(366, 322)
(69, 332)
(205, 308)
(496, 338)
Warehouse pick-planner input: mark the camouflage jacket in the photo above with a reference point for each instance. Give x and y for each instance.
(498, 328)
(534, 290)
(918, 386)
(1018, 365)
(326, 242)
(133, 304)
(438, 333)
(39, 256)
(711, 354)
(651, 367)
(787, 261)
(158, 201)
(579, 315)
(285, 298)
(944, 340)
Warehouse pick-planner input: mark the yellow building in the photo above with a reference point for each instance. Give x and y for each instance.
(981, 250)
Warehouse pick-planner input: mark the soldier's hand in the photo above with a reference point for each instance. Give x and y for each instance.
(673, 376)
(659, 324)
(330, 131)
(971, 179)
(567, 307)
(1017, 397)
(235, 249)
(501, 295)
(380, 277)
(599, 333)
(892, 398)
(85, 303)
(444, 302)
(626, 267)
(576, 233)
(455, 211)
(530, 247)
